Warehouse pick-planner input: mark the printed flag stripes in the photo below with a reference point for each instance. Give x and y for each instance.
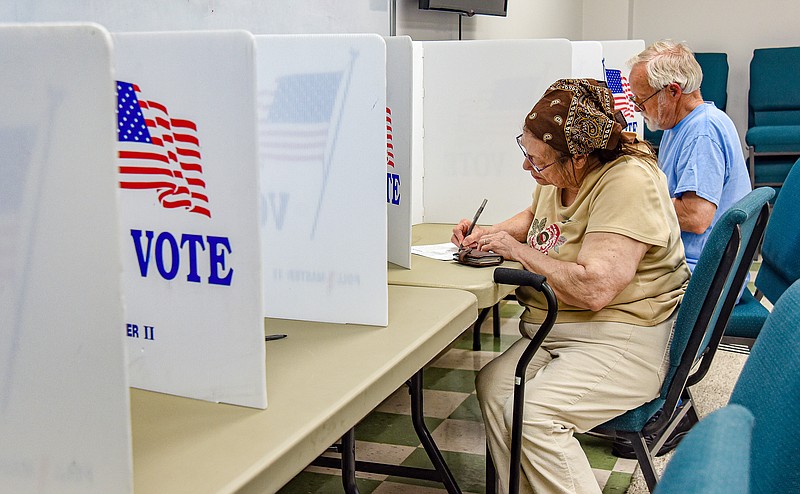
(621, 89)
(298, 122)
(389, 145)
(159, 152)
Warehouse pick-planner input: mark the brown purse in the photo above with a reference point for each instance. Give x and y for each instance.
(477, 258)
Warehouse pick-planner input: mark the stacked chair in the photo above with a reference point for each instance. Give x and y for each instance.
(780, 266)
(753, 443)
(773, 123)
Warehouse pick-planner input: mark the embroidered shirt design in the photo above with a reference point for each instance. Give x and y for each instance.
(543, 239)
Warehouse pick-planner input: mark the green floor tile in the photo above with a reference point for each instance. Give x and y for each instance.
(618, 483)
(598, 451)
(443, 379)
(509, 310)
(391, 428)
(488, 342)
(468, 410)
(468, 470)
(320, 483)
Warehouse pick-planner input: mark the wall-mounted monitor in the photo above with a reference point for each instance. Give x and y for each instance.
(468, 7)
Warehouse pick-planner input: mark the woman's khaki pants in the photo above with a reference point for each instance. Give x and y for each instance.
(583, 375)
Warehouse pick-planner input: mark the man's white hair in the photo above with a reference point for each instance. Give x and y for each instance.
(666, 62)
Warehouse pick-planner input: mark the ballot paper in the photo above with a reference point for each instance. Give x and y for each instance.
(442, 252)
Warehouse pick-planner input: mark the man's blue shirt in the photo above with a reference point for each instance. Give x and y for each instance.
(703, 154)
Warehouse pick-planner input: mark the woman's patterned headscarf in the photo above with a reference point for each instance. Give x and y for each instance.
(576, 116)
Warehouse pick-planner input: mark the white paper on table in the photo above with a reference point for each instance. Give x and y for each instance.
(442, 252)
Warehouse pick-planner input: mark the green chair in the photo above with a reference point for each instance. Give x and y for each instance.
(753, 443)
(713, 88)
(702, 317)
(780, 266)
(773, 124)
(714, 458)
(769, 386)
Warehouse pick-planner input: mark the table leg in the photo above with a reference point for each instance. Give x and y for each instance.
(476, 328)
(496, 320)
(417, 419)
(349, 462)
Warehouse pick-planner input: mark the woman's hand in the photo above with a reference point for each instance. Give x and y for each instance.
(500, 243)
(460, 230)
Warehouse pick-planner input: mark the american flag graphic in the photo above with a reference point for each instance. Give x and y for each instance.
(158, 152)
(389, 145)
(299, 118)
(618, 84)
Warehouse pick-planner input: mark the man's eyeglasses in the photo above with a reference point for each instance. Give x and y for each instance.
(639, 105)
(536, 167)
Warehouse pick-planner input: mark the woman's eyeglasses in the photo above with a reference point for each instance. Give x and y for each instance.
(536, 167)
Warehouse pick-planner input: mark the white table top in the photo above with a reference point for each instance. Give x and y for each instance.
(432, 273)
(321, 380)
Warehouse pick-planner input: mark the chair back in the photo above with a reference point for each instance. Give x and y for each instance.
(780, 266)
(769, 386)
(773, 98)
(715, 78)
(706, 306)
(714, 458)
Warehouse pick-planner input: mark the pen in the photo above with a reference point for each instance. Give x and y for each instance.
(272, 337)
(474, 220)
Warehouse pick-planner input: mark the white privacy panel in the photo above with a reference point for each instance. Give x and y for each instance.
(323, 140)
(188, 179)
(587, 60)
(476, 95)
(64, 410)
(399, 135)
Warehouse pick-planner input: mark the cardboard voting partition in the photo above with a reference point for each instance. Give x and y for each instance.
(615, 62)
(188, 181)
(477, 94)
(399, 147)
(322, 135)
(64, 411)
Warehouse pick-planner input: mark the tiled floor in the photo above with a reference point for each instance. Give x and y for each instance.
(453, 417)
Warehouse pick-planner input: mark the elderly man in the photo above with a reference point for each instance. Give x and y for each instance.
(700, 152)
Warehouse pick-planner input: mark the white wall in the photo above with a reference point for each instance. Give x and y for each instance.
(529, 19)
(722, 26)
(606, 20)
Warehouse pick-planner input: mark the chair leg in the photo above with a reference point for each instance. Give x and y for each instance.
(644, 457)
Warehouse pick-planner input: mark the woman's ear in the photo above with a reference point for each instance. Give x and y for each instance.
(579, 161)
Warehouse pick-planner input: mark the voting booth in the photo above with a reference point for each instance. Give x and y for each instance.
(188, 187)
(64, 403)
(322, 118)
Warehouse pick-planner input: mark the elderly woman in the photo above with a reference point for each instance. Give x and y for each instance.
(603, 231)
